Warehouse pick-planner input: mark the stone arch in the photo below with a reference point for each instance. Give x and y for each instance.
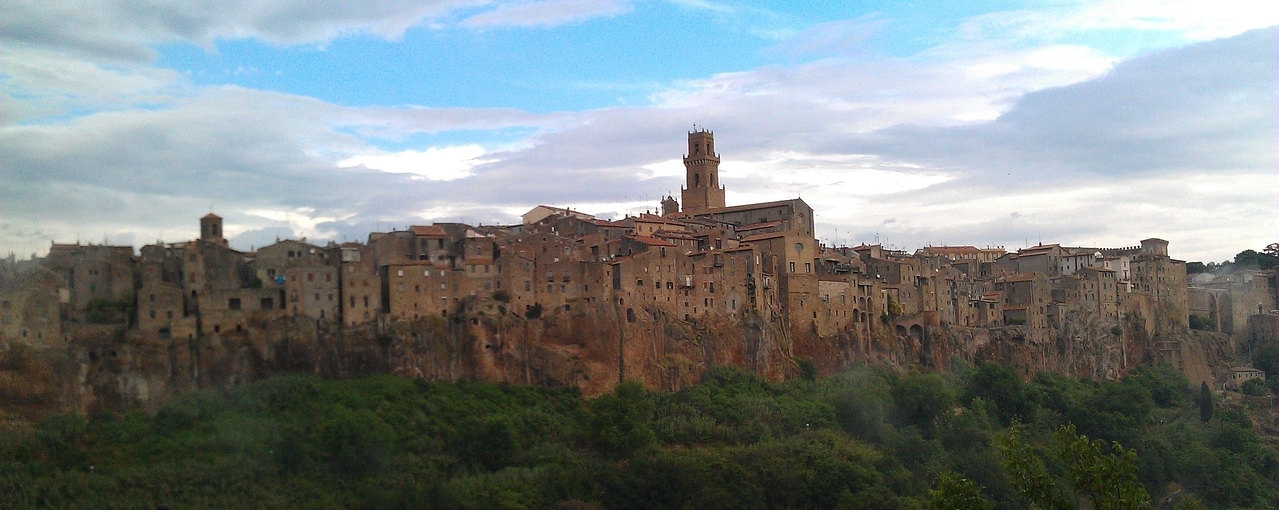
(917, 332)
(901, 330)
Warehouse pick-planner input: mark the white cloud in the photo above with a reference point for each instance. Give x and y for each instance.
(435, 163)
(1191, 20)
(126, 29)
(546, 13)
(1195, 19)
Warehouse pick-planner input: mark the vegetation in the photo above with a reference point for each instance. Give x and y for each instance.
(1201, 323)
(1247, 260)
(981, 438)
(109, 311)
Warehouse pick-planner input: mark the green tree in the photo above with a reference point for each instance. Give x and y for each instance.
(1266, 359)
(1253, 387)
(1205, 402)
(920, 399)
(1201, 323)
(1027, 474)
(1093, 475)
(1107, 479)
(619, 422)
(954, 492)
(1251, 259)
(1001, 388)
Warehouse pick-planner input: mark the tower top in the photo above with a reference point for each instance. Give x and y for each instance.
(702, 191)
(211, 229)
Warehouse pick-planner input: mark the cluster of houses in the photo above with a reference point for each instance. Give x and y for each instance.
(692, 262)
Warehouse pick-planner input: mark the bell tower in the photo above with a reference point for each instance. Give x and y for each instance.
(211, 229)
(701, 192)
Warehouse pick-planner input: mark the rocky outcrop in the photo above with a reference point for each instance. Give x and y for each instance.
(104, 369)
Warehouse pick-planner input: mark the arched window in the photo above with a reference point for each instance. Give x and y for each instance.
(697, 180)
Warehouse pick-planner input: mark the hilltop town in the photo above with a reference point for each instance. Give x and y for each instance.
(567, 298)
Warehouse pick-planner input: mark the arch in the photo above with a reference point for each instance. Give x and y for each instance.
(917, 332)
(697, 180)
(901, 330)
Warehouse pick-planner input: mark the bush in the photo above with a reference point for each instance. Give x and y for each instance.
(1254, 387)
(1201, 323)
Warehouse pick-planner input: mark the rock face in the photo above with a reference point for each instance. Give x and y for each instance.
(105, 369)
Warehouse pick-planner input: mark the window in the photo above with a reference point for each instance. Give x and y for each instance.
(233, 303)
(792, 267)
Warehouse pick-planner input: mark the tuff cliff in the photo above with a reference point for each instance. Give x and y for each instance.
(106, 369)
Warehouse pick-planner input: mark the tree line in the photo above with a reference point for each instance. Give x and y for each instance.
(976, 438)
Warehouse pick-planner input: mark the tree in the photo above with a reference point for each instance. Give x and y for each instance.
(1104, 476)
(920, 399)
(1201, 323)
(1108, 480)
(1027, 474)
(954, 492)
(619, 422)
(1266, 359)
(1205, 402)
(1254, 387)
(1012, 398)
(1251, 259)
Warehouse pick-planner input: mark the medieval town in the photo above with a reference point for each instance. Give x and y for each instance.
(564, 298)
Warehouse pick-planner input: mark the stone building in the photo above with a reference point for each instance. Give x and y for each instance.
(1026, 298)
(90, 272)
(359, 284)
(30, 308)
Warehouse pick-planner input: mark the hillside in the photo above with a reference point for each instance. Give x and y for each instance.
(863, 438)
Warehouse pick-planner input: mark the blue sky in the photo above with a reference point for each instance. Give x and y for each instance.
(987, 123)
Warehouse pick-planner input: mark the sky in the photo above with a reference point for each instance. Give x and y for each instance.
(904, 123)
